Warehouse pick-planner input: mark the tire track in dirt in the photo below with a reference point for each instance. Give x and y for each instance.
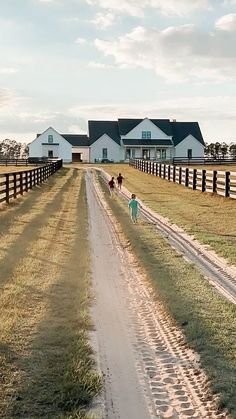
(24, 299)
(169, 372)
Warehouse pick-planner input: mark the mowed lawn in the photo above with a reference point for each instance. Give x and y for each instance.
(210, 218)
(46, 363)
(207, 319)
(13, 169)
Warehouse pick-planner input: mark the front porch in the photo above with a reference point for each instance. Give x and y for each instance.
(149, 153)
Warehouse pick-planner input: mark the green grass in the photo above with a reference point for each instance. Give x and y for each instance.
(47, 364)
(207, 319)
(210, 218)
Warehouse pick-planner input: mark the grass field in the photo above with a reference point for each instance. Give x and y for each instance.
(46, 363)
(208, 321)
(11, 169)
(210, 218)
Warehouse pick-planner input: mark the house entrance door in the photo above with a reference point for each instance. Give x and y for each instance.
(146, 153)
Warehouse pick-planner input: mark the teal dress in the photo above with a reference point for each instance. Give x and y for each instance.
(133, 206)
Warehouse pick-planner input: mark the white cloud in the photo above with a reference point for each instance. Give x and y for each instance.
(177, 53)
(103, 20)
(8, 70)
(168, 7)
(95, 64)
(81, 41)
(227, 23)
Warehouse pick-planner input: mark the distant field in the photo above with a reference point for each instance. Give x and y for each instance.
(10, 169)
(210, 218)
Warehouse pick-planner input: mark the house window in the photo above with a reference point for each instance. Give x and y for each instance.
(127, 156)
(104, 153)
(50, 154)
(163, 154)
(190, 153)
(50, 138)
(146, 135)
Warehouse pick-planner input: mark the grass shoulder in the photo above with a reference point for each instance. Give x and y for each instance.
(209, 217)
(207, 319)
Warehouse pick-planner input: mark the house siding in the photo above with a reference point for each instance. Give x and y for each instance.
(113, 149)
(146, 125)
(63, 150)
(181, 150)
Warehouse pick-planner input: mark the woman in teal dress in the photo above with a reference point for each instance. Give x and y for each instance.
(133, 207)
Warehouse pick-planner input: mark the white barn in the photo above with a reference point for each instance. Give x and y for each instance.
(159, 139)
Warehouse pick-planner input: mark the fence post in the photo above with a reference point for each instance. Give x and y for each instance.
(186, 176)
(227, 184)
(168, 171)
(21, 183)
(194, 179)
(14, 185)
(31, 184)
(7, 188)
(203, 180)
(180, 175)
(156, 169)
(214, 181)
(26, 181)
(174, 173)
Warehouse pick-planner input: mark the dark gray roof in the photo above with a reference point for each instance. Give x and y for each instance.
(126, 125)
(147, 143)
(99, 128)
(182, 129)
(76, 140)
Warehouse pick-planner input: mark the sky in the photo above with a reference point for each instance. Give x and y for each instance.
(64, 62)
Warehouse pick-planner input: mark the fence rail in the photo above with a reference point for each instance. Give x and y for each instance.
(203, 160)
(16, 183)
(216, 181)
(31, 161)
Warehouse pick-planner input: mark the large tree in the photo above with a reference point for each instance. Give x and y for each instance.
(11, 149)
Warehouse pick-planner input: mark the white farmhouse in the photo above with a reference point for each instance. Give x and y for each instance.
(159, 139)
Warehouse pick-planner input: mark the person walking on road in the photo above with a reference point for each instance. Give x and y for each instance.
(119, 181)
(133, 207)
(111, 184)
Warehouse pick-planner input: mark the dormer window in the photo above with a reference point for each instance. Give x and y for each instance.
(146, 135)
(50, 138)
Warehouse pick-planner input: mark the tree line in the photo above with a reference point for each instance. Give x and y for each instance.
(220, 150)
(11, 149)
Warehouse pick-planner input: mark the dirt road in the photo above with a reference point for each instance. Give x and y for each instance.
(148, 371)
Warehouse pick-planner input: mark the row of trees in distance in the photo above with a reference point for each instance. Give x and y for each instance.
(220, 150)
(11, 149)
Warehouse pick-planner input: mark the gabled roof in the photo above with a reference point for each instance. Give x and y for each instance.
(126, 125)
(76, 140)
(140, 142)
(98, 128)
(181, 130)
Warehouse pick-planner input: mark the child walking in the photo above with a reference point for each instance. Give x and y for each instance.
(119, 180)
(111, 184)
(133, 207)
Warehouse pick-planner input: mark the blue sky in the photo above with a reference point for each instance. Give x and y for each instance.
(63, 62)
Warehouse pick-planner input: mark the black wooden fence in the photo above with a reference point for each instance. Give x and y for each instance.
(16, 183)
(33, 161)
(220, 182)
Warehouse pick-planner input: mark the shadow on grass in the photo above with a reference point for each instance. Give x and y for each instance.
(18, 249)
(60, 380)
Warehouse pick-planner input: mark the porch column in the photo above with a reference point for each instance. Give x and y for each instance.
(141, 152)
(155, 153)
